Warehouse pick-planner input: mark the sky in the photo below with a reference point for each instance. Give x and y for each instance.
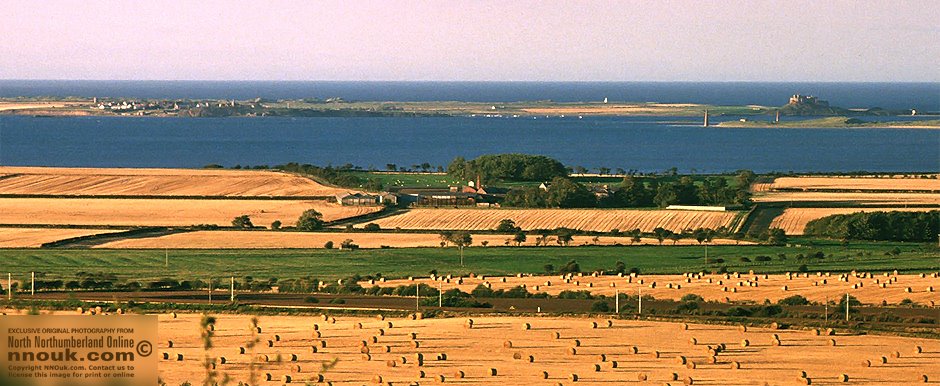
(868, 41)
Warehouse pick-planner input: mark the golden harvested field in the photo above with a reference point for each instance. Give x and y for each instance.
(554, 350)
(851, 198)
(273, 240)
(163, 212)
(157, 182)
(584, 219)
(716, 287)
(35, 237)
(857, 183)
(793, 220)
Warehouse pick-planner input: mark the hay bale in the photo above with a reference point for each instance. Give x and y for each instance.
(602, 357)
(413, 335)
(742, 328)
(179, 357)
(597, 368)
(530, 359)
(421, 374)
(507, 344)
(685, 326)
(377, 379)
(241, 350)
(314, 349)
(577, 343)
(517, 356)
(573, 377)
(169, 344)
(843, 378)
(363, 350)
(593, 324)
(918, 349)
(366, 357)
(442, 356)
(866, 363)
(415, 344)
(681, 360)
(459, 374)
(572, 351)
(693, 341)
(614, 364)
(832, 342)
(745, 343)
(830, 331)
(545, 375)
(526, 326)
(391, 363)
(654, 354)
(493, 372)
(735, 365)
(633, 350)
(293, 357)
(317, 334)
(924, 378)
(642, 377)
(268, 377)
(556, 335)
(286, 379)
(357, 326)
(691, 365)
(884, 360)
(896, 354)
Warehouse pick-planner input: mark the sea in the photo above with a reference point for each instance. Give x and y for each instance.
(645, 144)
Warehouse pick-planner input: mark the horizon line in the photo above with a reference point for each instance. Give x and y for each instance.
(459, 81)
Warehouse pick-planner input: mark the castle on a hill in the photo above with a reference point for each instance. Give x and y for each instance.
(798, 99)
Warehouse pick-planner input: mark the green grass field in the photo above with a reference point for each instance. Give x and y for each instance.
(146, 265)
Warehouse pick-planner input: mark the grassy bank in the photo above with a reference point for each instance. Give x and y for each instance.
(144, 265)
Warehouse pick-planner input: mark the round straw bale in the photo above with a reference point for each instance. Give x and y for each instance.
(866, 363)
(526, 326)
(517, 356)
(830, 331)
(363, 349)
(507, 344)
(268, 377)
(391, 363)
(572, 351)
(843, 378)
(735, 365)
(545, 375)
(654, 354)
(918, 349)
(169, 344)
(241, 350)
(357, 326)
(166, 356)
(442, 356)
(286, 379)
(832, 342)
(681, 360)
(556, 335)
(415, 344)
(743, 328)
(573, 377)
(530, 359)
(693, 341)
(366, 357)
(642, 377)
(441, 378)
(493, 372)
(691, 365)
(413, 335)
(745, 343)
(593, 324)
(179, 357)
(377, 379)
(597, 368)
(459, 374)
(884, 360)
(602, 357)
(577, 343)
(421, 374)
(924, 378)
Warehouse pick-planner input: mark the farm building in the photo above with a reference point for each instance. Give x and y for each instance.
(357, 199)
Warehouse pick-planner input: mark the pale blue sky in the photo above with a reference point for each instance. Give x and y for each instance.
(472, 40)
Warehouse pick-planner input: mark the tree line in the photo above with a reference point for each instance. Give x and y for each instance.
(878, 226)
(632, 192)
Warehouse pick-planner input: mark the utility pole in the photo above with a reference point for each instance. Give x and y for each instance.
(9, 286)
(232, 297)
(827, 310)
(461, 255)
(32, 284)
(640, 300)
(440, 294)
(210, 291)
(417, 296)
(617, 301)
(846, 307)
(166, 258)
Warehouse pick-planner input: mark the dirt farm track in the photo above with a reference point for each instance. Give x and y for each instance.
(536, 350)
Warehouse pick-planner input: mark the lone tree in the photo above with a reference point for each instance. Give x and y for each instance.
(519, 238)
(242, 222)
(310, 220)
(461, 239)
(276, 225)
(507, 226)
(661, 234)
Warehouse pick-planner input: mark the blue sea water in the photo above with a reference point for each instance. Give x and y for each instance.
(646, 144)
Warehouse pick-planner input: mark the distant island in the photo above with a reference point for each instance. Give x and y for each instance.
(798, 105)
